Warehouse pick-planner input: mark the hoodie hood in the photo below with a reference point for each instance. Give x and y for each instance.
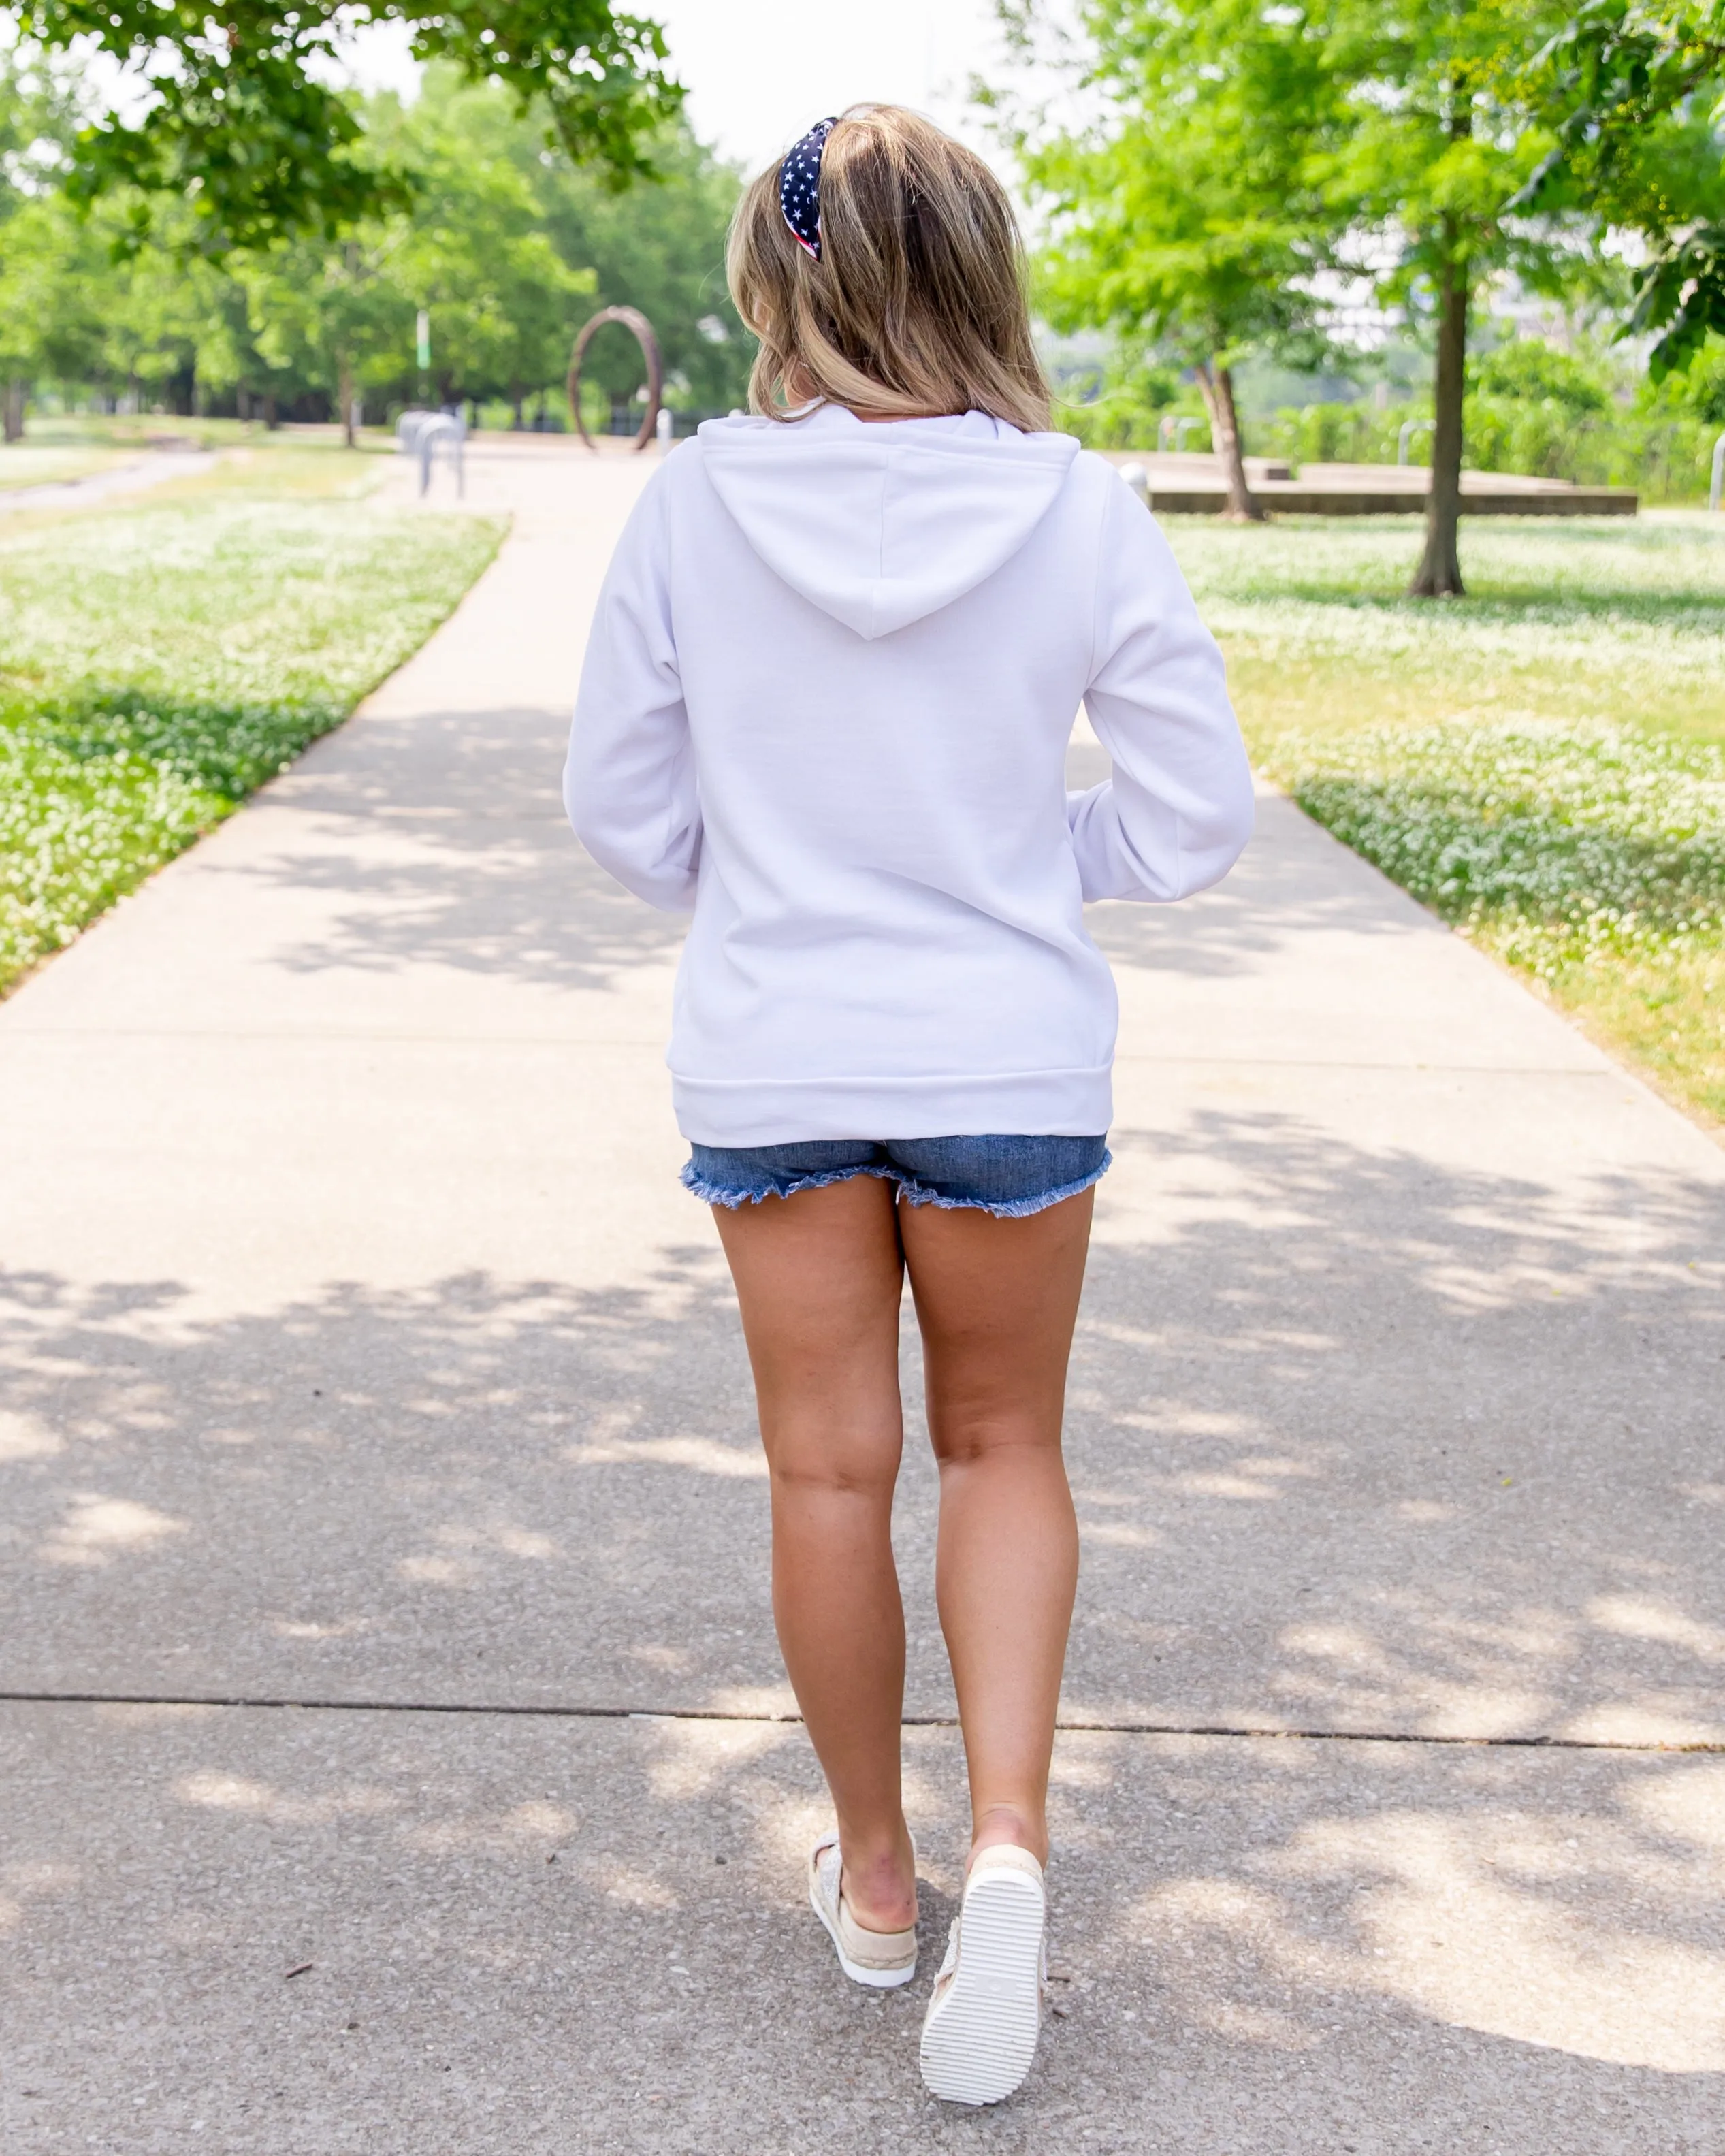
(879, 525)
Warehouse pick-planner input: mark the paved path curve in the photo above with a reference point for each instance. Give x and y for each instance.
(153, 469)
(361, 1351)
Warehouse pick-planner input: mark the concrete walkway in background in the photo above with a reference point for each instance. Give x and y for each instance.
(392, 1748)
(153, 469)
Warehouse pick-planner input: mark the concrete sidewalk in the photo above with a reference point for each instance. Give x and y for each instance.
(154, 468)
(363, 1360)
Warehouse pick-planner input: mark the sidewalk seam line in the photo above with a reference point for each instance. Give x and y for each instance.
(237, 1700)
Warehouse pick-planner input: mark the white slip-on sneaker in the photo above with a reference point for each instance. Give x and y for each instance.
(882, 1959)
(980, 2035)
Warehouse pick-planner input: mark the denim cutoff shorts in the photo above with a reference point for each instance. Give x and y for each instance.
(1009, 1177)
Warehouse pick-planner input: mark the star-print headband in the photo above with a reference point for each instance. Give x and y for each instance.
(799, 187)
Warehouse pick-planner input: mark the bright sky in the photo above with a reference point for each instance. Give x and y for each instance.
(760, 72)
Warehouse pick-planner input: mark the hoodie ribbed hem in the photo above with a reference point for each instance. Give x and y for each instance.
(734, 1111)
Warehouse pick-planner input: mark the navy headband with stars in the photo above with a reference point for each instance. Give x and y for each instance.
(799, 187)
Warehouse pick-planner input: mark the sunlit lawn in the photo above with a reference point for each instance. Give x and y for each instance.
(1543, 763)
(158, 661)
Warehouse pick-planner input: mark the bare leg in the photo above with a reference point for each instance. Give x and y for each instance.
(996, 1300)
(819, 1277)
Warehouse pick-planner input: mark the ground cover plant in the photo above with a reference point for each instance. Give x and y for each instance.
(158, 663)
(1543, 763)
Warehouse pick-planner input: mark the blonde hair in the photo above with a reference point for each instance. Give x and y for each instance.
(916, 304)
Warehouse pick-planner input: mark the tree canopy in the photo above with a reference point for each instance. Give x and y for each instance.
(1632, 91)
(1429, 155)
(1241, 159)
(1192, 217)
(505, 243)
(243, 125)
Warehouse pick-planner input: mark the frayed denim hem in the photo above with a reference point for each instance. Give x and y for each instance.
(716, 1194)
(912, 1193)
(1009, 1209)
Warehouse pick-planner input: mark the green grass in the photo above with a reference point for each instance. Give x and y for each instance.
(1543, 763)
(158, 663)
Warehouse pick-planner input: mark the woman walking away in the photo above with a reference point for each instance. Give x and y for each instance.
(825, 707)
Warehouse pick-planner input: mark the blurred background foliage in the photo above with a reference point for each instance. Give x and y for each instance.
(507, 246)
(1567, 405)
(1230, 185)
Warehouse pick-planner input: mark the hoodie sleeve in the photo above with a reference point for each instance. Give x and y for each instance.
(628, 783)
(1176, 813)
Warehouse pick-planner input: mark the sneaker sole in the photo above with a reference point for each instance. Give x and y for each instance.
(877, 1979)
(980, 2037)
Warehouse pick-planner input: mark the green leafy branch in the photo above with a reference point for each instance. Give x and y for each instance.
(1617, 74)
(240, 127)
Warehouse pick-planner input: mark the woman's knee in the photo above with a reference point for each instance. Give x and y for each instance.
(836, 1464)
(963, 1439)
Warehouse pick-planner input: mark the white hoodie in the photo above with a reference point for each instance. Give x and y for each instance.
(826, 704)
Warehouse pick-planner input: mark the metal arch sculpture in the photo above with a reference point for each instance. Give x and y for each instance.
(635, 321)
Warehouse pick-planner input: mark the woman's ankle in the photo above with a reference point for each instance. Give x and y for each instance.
(1015, 1826)
(880, 1880)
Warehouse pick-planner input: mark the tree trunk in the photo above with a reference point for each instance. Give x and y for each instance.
(517, 397)
(1217, 385)
(344, 391)
(1439, 576)
(14, 407)
(272, 418)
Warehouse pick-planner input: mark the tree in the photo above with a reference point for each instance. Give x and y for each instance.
(329, 311)
(174, 325)
(50, 322)
(1633, 95)
(1514, 134)
(499, 242)
(660, 249)
(243, 125)
(474, 255)
(1428, 148)
(478, 254)
(1187, 213)
(1435, 151)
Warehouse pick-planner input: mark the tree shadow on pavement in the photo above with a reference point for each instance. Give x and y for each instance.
(470, 1490)
(521, 902)
(1293, 878)
(459, 856)
(465, 1932)
(441, 840)
(1359, 1442)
